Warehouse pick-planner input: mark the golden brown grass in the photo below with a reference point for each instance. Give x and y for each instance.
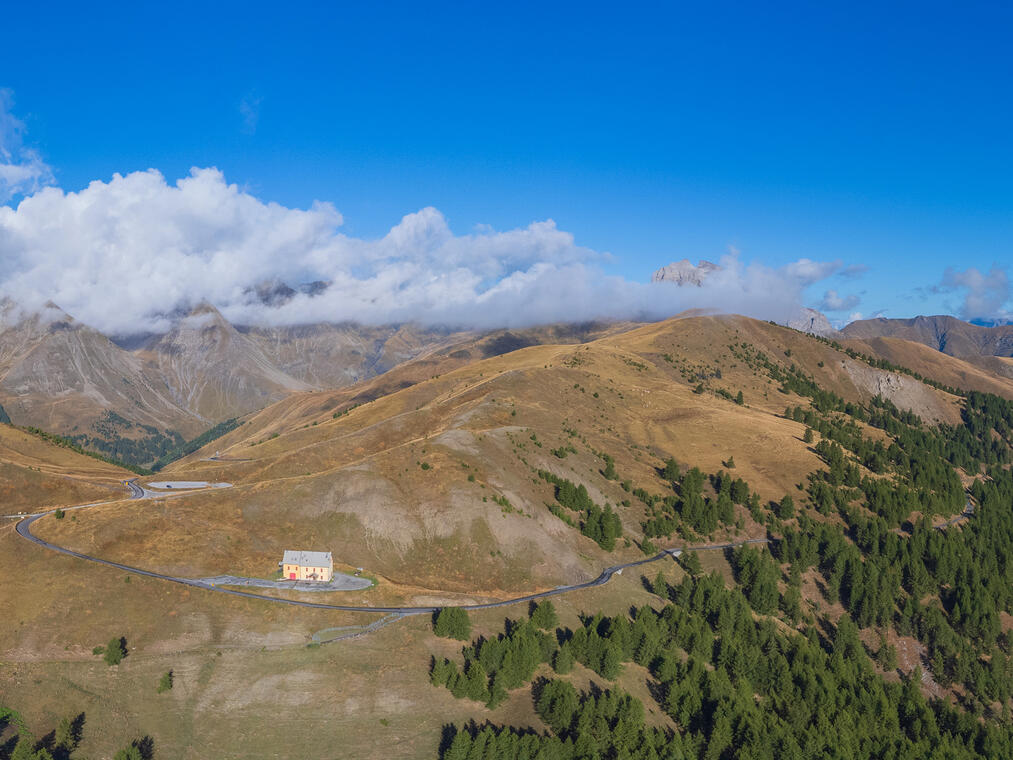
(35, 473)
(245, 684)
(356, 485)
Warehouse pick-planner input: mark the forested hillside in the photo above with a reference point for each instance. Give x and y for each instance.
(905, 533)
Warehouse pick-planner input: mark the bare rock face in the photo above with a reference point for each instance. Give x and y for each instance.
(905, 392)
(684, 273)
(811, 321)
(61, 375)
(211, 368)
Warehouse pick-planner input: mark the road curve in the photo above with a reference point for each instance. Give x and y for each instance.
(965, 515)
(137, 492)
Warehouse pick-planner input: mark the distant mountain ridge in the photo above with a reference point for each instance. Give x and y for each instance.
(62, 376)
(137, 398)
(942, 332)
(812, 321)
(132, 398)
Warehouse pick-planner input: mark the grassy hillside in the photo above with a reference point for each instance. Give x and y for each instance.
(35, 473)
(437, 486)
(465, 479)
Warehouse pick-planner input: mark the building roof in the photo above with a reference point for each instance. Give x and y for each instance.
(307, 559)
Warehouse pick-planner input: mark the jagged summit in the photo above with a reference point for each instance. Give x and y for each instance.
(685, 273)
(277, 293)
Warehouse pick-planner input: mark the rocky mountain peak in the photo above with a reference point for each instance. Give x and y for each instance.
(685, 273)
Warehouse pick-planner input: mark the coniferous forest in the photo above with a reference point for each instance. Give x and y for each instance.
(888, 528)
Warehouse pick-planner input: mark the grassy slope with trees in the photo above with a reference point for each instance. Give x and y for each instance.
(746, 672)
(855, 554)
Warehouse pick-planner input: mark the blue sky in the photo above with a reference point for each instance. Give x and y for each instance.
(877, 135)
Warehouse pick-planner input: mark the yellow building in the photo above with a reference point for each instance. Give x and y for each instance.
(307, 566)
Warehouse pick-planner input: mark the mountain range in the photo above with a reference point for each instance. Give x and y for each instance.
(491, 466)
(944, 333)
(139, 397)
(135, 398)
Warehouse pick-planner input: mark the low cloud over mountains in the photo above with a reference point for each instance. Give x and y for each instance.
(130, 255)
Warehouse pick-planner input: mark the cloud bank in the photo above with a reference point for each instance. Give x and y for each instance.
(132, 254)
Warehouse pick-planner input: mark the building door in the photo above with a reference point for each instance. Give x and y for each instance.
(291, 576)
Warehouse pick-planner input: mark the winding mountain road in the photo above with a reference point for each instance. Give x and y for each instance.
(137, 492)
(965, 515)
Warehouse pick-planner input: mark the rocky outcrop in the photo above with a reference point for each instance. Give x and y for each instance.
(811, 321)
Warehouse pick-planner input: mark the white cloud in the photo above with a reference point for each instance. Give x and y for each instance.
(985, 295)
(22, 170)
(128, 255)
(832, 301)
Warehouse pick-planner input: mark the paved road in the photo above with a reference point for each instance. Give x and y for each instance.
(965, 515)
(341, 582)
(137, 492)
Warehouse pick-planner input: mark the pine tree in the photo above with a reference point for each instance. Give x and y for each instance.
(165, 682)
(443, 672)
(786, 507)
(497, 692)
(671, 470)
(887, 654)
(453, 623)
(660, 586)
(65, 737)
(115, 651)
(611, 663)
(25, 748)
(691, 563)
(459, 746)
(562, 662)
(477, 682)
(543, 615)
